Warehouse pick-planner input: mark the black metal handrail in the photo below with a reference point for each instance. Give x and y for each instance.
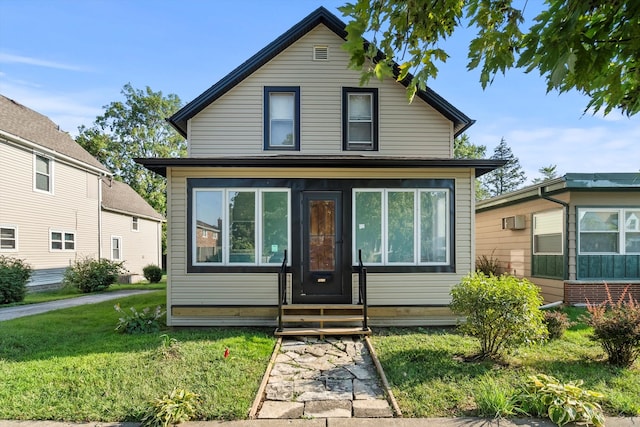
(282, 289)
(362, 290)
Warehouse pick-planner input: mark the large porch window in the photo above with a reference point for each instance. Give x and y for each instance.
(240, 226)
(401, 226)
(609, 230)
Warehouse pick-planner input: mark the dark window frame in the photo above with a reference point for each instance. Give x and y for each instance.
(268, 90)
(353, 146)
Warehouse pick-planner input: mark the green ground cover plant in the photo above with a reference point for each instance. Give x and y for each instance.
(70, 365)
(431, 376)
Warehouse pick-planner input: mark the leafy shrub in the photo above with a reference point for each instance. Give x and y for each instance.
(178, 406)
(545, 396)
(139, 322)
(14, 275)
(616, 326)
(502, 312)
(152, 273)
(488, 265)
(93, 275)
(557, 323)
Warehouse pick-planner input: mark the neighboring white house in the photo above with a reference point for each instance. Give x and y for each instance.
(131, 228)
(52, 211)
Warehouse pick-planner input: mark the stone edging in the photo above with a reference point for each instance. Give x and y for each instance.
(383, 378)
(265, 379)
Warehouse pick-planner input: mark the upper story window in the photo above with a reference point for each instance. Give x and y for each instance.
(609, 231)
(548, 233)
(360, 119)
(282, 118)
(135, 223)
(43, 174)
(8, 238)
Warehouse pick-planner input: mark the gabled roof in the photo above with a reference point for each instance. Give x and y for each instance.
(615, 181)
(119, 197)
(21, 124)
(320, 16)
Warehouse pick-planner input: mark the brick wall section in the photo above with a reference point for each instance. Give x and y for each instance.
(579, 293)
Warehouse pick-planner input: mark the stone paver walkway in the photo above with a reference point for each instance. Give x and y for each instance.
(324, 378)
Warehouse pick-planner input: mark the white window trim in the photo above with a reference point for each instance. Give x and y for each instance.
(417, 243)
(224, 232)
(15, 229)
(533, 232)
(622, 250)
(120, 249)
(51, 173)
(135, 224)
(63, 232)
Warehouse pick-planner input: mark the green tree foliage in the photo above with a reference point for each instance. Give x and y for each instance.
(502, 312)
(463, 148)
(507, 178)
(136, 127)
(548, 172)
(589, 46)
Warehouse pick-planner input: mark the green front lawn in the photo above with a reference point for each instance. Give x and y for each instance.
(430, 377)
(70, 365)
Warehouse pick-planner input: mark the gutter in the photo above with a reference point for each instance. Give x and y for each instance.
(565, 205)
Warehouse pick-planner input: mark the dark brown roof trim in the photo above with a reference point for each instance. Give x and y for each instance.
(160, 165)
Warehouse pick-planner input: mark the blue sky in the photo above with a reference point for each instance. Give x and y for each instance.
(69, 58)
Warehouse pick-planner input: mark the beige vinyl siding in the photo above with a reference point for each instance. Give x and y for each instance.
(139, 248)
(261, 289)
(233, 124)
(513, 248)
(73, 207)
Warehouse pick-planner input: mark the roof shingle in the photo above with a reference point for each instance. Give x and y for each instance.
(27, 124)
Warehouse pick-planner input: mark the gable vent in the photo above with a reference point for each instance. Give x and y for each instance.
(321, 53)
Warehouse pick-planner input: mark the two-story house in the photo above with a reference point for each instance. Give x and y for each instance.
(55, 208)
(288, 152)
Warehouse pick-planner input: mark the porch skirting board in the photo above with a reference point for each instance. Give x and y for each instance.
(379, 316)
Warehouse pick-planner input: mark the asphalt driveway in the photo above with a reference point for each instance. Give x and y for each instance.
(9, 313)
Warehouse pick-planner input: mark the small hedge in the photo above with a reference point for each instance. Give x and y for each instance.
(152, 273)
(93, 275)
(14, 275)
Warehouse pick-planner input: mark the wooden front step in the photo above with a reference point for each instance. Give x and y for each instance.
(322, 331)
(310, 319)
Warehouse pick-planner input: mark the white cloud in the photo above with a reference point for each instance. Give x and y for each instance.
(606, 146)
(7, 58)
(68, 110)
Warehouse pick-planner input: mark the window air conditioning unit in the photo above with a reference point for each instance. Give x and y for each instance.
(516, 222)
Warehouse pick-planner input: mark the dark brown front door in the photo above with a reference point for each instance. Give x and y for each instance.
(321, 278)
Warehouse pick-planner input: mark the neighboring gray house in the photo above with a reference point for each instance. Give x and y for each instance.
(51, 204)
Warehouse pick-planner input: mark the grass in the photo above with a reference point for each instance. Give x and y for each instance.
(70, 365)
(430, 377)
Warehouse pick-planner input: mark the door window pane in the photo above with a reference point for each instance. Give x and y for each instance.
(433, 226)
(275, 226)
(208, 226)
(368, 226)
(242, 226)
(401, 227)
(322, 235)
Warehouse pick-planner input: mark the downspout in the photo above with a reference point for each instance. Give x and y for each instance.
(100, 216)
(544, 196)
